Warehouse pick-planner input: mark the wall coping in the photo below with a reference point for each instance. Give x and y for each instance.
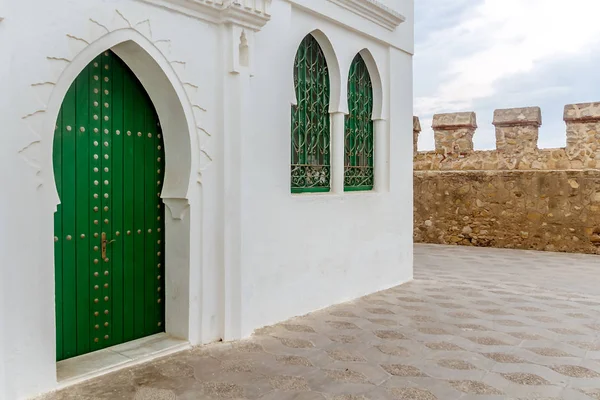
(455, 120)
(526, 116)
(249, 14)
(374, 11)
(416, 124)
(582, 112)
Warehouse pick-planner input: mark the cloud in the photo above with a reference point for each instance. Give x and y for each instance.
(492, 53)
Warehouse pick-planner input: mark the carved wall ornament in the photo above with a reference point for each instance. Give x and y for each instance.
(31, 151)
(374, 11)
(251, 14)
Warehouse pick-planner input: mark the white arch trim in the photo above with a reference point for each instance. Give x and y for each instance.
(337, 91)
(166, 92)
(378, 88)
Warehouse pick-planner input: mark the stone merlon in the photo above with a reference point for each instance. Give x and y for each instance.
(527, 116)
(582, 112)
(416, 124)
(454, 120)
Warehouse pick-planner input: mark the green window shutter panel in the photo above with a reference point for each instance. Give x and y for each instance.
(310, 164)
(358, 146)
(109, 162)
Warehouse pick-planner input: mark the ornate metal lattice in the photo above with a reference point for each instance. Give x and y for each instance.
(310, 168)
(358, 148)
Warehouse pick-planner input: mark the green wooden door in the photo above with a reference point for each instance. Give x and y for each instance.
(108, 165)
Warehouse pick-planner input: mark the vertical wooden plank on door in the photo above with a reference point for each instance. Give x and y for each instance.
(150, 178)
(95, 190)
(82, 212)
(158, 242)
(118, 200)
(69, 225)
(128, 207)
(107, 197)
(58, 236)
(138, 213)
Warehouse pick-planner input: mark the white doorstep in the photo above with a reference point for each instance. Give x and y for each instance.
(87, 366)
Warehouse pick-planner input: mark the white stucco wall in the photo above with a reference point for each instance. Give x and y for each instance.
(242, 251)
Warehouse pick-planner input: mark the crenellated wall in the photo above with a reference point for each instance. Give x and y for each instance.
(517, 196)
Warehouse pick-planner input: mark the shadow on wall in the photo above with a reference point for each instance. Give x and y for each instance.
(517, 196)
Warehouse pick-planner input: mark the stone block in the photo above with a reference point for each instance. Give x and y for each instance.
(583, 133)
(524, 116)
(416, 131)
(583, 112)
(454, 132)
(517, 130)
(455, 120)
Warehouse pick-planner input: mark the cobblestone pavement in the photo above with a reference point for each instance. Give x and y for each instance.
(475, 324)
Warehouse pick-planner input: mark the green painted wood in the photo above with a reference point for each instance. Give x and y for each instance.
(310, 133)
(95, 136)
(106, 150)
(117, 280)
(81, 235)
(358, 147)
(58, 253)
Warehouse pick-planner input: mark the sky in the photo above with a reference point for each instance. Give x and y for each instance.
(480, 55)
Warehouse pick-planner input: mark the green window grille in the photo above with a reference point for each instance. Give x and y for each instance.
(358, 142)
(310, 165)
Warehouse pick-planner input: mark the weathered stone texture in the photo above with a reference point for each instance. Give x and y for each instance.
(517, 196)
(454, 132)
(540, 210)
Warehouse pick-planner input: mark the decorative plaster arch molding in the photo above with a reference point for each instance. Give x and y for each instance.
(378, 87)
(174, 98)
(337, 91)
(166, 92)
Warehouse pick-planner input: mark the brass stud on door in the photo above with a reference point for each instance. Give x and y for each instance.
(96, 313)
(105, 208)
(96, 287)
(106, 337)
(96, 340)
(106, 312)
(117, 233)
(95, 248)
(96, 326)
(105, 298)
(68, 237)
(160, 323)
(56, 238)
(106, 324)
(82, 236)
(105, 272)
(96, 300)
(158, 301)
(106, 286)
(95, 273)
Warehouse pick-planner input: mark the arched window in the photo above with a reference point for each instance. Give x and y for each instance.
(358, 147)
(310, 164)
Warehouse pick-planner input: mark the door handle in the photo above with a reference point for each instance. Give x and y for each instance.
(104, 243)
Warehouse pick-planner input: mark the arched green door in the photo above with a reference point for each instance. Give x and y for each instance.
(109, 228)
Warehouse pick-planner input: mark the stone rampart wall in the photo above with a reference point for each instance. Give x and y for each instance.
(517, 196)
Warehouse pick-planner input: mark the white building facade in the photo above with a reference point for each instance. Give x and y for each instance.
(195, 167)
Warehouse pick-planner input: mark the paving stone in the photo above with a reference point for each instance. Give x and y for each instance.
(475, 323)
